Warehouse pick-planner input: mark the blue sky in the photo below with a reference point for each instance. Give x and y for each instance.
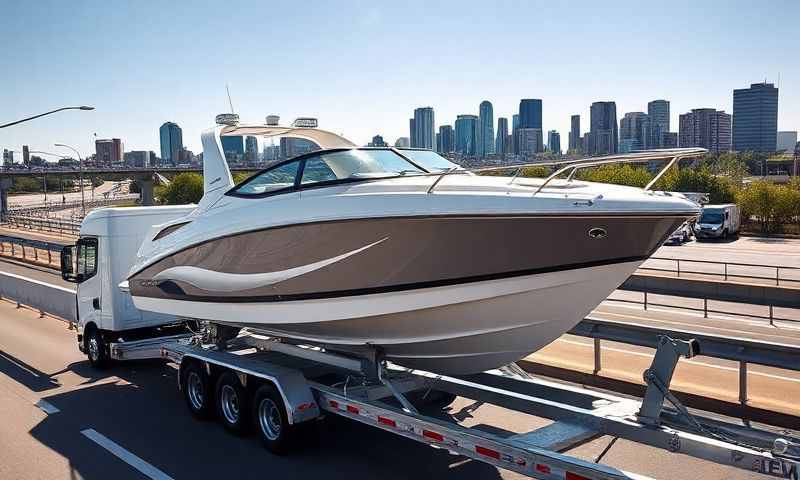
(362, 67)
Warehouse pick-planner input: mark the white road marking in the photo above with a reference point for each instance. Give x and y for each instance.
(20, 365)
(691, 362)
(124, 455)
(46, 407)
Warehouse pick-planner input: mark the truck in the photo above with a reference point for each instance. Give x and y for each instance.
(280, 389)
(718, 221)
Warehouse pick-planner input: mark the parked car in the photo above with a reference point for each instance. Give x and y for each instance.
(681, 235)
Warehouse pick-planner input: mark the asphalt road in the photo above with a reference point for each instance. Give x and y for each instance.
(135, 410)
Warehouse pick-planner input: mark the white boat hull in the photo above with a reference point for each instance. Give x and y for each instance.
(454, 329)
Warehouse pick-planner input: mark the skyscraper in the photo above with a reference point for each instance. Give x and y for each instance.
(530, 113)
(530, 141)
(554, 142)
(485, 129)
(755, 118)
(171, 142)
(446, 139)
(378, 141)
(575, 134)
(500, 145)
(402, 142)
(786, 141)
(658, 116)
(514, 136)
(233, 147)
(603, 128)
(633, 129)
(108, 151)
(466, 134)
(412, 132)
(424, 135)
(251, 149)
(706, 128)
(26, 155)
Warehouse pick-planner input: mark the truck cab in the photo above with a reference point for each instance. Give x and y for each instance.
(101, 258)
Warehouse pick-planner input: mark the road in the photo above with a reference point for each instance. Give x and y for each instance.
(54, 195)
(138, 408)
(783, 252)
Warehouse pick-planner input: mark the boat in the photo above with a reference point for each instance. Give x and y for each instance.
(400, 251)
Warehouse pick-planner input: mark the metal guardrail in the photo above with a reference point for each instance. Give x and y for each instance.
(45, 297)
(69, 227)
(35, 251)
(737, 349)
(51, 206)
(725, 272)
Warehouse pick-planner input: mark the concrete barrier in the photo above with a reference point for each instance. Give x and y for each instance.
(712, 290)
(45, 297)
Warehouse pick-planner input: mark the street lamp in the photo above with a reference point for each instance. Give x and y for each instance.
(44, 170)
(82, 107)
(80, 169)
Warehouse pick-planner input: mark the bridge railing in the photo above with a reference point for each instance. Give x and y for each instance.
(50, 225)
(31, 251)
(789, 276)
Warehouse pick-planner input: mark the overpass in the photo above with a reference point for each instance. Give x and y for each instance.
(143, 176)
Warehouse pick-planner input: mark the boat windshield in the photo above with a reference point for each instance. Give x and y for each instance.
(429, 160)
(329, 166)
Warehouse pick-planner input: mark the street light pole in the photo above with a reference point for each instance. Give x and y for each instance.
(82, 107)
(80, 169)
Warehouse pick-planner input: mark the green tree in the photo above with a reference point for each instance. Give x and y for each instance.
(239, 177)
(184, 188)
(619, 174)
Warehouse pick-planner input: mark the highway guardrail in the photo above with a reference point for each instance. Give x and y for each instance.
(51, 225)
(42, 296)
(725, 271)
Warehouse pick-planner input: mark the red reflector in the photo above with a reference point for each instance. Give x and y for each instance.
(352, 409)
(333, 403)
(433, 435)
(542, 468)
(487, 452)
(387, 421)
(575, 476)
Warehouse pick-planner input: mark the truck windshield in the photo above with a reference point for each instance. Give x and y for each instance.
(711, 217)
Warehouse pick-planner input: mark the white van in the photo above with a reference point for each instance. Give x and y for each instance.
(718, 221)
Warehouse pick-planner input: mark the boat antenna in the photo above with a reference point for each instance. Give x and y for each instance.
(229, 97)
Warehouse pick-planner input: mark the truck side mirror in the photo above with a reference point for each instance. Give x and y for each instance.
(68, 263)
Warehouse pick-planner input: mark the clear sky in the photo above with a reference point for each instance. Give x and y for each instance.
(362, 67)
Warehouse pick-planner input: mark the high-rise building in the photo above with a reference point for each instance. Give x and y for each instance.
(137, 159)
(514, 136)
(658, 115)
(554, 142)
(706, 128)
(786, 141)
(26, 155)
(530, 113)
(412, 132)
(233, 147)
(603, 128)
(670, 140)
(755, 118)
(108, 151)
(633, 130)
(251, 149)
(171, 142)
(402, 142)
(292, 147)
(530, 141)
(377, 141)
(446, 137)
(424, 135)
(575, 134)
(501, 147)
(466, 134)
(485, 129)
(8, 157)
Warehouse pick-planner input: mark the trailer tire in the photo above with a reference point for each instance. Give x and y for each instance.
(96, 349)
(196, 387)
(233, 403)
(271, 421)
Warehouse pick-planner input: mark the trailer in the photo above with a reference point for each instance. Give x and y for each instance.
(281, 390)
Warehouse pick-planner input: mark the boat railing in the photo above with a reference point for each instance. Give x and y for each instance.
(572, 166)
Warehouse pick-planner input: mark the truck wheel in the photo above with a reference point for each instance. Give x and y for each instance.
(96, 350)
(271, 422)
(196, 386)
(233, 407)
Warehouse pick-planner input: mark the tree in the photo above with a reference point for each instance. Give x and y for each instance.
(184, 188)
(624, 174)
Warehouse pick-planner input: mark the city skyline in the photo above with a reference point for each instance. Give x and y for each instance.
(186, 83)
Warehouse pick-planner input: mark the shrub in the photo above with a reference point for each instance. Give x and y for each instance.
(184, 188)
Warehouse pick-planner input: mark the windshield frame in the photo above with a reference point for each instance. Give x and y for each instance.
(233, 192)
